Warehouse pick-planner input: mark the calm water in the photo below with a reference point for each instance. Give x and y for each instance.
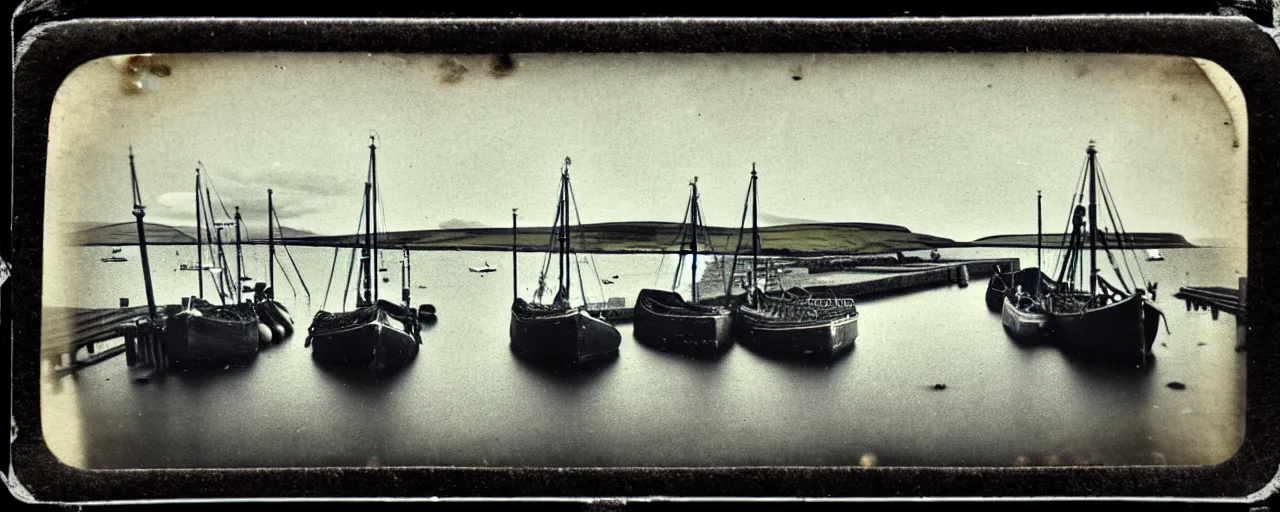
(467, 401)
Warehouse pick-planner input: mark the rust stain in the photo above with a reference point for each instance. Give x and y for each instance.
(452, 70)
(139, 73)
(502, 65)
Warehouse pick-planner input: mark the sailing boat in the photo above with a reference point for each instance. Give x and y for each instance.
(665, 319)
(270, 311)
(378, 334)
(1102, 320)
(559, 332)
(1023, 315)
(789, 323)
(200, 333)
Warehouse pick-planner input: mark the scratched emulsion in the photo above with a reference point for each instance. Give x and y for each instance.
(954, 146)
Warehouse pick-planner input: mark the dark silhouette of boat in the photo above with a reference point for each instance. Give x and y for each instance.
(790, 323)
(665, 319)
(558, 332)
(998, 288)
(198, 333)
(1023, 313)
(1099, 319)
(378, 334)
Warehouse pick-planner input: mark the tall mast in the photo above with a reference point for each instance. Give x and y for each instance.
(373, 205)
(271, 242)
(694, 210)
(139, 212)
(364, 254)
(755, 228)
(199, 245)
(1093, 221)
(564, 233)
(239, 262)
(220, 259)
(515, 286)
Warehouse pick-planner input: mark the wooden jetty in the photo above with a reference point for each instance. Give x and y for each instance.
(896, 278)
(65, 331)
(1215, 299)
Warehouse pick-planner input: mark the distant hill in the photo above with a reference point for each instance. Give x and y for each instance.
(1058, 240)
(650, 237)
(126, 233)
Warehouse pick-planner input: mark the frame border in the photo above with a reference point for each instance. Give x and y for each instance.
(49, 52)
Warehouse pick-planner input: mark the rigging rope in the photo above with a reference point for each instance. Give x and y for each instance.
(1120, 222)
(301, 281)
(734, 269)
(577, 213)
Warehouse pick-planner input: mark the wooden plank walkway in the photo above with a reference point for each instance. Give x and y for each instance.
(65, 330)
(1213, 298)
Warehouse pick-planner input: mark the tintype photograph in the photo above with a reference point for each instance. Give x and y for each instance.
(269, 259)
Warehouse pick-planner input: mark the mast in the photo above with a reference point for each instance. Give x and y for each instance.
(199, 245)
(694, 246)
(365, 299)
(139, 211)
(373, 205)
(239, 262)
(755, 228)
(271, 243)
(515, 287)
(219, 258)
(1093, 221)
(1039, 239)
(564, 231)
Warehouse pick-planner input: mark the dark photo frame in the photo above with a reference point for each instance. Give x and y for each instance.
(47, 54)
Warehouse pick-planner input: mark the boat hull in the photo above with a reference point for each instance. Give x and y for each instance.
(191, 340)
(571, 337)
(659, 324)
(824, 339)
(1121, 331)
(379, 341)
(997, 289)
(1023, 325)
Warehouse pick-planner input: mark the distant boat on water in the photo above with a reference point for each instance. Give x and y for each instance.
(113, 259)
(483, 270)
(116, 250)
(1154, 255)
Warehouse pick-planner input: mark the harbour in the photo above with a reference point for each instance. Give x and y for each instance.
(466, 401)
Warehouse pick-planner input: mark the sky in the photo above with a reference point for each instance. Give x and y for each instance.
(951, 145)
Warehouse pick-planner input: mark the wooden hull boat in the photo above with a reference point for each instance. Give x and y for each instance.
(797, 328)
(560, 334)
(820, 339)
(997, 288)
(1021, 322)
(1123, 331)
(208, 335)
(665, 319)
(377, 337)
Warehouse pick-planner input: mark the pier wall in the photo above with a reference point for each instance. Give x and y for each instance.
(894, 280)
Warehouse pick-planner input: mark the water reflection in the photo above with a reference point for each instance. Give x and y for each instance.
(569, 375)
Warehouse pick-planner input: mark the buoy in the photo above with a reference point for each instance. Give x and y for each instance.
(964, 276)
(264, 333)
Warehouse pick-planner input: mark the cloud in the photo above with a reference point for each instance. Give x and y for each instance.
(460, 224)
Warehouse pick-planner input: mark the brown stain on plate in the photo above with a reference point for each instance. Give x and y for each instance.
(452, 71)
(139, 72)
(502, 65)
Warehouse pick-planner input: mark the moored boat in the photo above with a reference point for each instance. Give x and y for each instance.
(790, 323)
(558, 332)
(1099, 319)
(378, 334)
(1023, 313)
(998, 288)
(665, 319)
